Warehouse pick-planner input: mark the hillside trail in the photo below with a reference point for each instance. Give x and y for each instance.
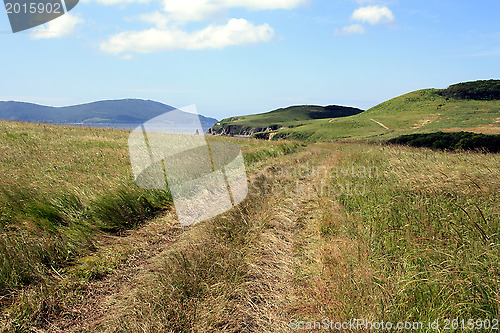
(378, 122)
(270, 295)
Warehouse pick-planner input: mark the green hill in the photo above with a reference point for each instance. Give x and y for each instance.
(289, 117)
(421, 111)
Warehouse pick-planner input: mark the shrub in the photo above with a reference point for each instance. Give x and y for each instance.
(451, 141)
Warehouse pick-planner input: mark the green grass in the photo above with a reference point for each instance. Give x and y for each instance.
(204, 280)
(62, 191)
(415, 239)
(414, 235)
(422, 111)
(281, 149)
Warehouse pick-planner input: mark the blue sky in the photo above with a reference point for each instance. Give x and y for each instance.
(233, 57)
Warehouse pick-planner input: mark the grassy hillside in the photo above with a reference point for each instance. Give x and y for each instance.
(287, 117)
(469, 106)
(416, 112)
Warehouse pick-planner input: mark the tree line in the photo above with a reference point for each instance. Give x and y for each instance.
(478, 90)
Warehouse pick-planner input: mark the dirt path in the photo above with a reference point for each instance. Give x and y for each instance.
(270, 297)
(379, 123)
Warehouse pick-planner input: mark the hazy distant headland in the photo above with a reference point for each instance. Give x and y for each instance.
(125, 113)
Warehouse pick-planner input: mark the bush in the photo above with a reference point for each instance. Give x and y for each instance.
(451, 141)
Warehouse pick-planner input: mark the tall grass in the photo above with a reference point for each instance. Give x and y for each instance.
(60, 187)
(197, 284)
(406, 234)
(271, 150)
(431, 221)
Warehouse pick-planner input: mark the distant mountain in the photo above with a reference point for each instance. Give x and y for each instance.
(292, 116)
(126, 111)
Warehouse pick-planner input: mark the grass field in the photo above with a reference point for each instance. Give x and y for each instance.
(329, 230)
(418, 239)
(60, 187)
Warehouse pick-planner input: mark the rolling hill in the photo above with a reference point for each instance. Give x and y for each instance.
(420, 111)
(292, 116)
(126, 111)
(469, 106)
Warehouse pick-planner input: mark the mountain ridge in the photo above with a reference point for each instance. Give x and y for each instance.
(122, 111)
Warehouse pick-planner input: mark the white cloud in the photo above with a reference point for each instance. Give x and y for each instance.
(235, 32)
(202, 9)
(192, 10)
(169, 32)
(265, 4)
(350, 30)
(159, 19)
(373, 15)
(198, 10)
(60, 27)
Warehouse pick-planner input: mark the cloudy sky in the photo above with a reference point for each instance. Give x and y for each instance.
(232, 57)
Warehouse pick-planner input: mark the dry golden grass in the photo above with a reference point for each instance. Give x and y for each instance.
(333, 275)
